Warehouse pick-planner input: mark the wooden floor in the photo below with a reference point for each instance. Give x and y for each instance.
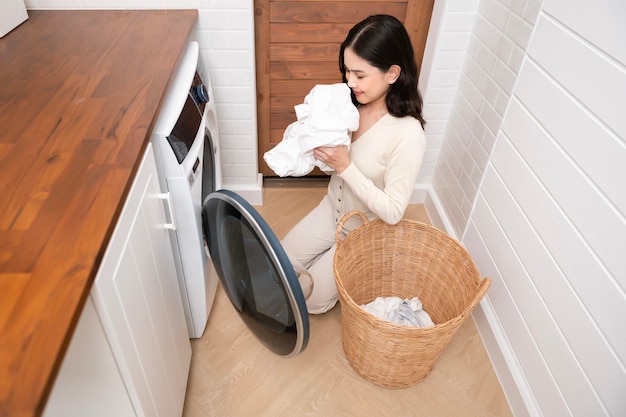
(233, 375)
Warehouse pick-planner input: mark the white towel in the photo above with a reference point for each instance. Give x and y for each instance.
(326, 118)
(400, 311)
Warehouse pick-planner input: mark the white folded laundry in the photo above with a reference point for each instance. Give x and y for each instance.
(326, 118)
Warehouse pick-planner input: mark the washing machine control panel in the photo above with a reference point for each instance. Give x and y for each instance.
(200, 94)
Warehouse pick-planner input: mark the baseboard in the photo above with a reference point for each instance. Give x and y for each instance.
(437, 213)
(507, 369)
(253, 193)
(419, 194)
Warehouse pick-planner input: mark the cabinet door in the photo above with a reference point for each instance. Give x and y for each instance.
(138, 299)
(89, 382)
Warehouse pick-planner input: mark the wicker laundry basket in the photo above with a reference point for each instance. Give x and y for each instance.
(405, 260)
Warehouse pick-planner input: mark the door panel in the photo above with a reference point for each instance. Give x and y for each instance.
(256, 273)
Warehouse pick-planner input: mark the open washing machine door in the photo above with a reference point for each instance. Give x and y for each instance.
(256, 273)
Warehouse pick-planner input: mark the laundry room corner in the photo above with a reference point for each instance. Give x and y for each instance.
(225, 32)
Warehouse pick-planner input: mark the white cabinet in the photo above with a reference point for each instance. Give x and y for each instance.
(138, 304)
(89, 382)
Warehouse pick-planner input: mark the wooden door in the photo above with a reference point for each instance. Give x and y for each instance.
(297, 47)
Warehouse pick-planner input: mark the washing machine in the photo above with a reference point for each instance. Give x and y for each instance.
(217, 234)
(185, 139)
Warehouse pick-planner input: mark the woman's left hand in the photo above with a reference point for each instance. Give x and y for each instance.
(336, 157)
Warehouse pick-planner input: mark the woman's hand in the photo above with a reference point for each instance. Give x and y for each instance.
(336, 157)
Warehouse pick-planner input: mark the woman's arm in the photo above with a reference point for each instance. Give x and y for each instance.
(402, 165)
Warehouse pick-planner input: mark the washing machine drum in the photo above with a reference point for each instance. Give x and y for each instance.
(255, 272)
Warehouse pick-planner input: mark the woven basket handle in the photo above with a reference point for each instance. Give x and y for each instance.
(344, 219)
(480, 293)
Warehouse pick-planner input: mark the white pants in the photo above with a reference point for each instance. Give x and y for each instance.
(312, 243)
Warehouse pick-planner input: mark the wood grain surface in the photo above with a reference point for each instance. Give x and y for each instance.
(79, 91)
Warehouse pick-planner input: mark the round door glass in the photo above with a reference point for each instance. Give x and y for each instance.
(255, 272)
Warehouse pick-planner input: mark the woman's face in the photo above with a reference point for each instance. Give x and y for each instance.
(369, 84)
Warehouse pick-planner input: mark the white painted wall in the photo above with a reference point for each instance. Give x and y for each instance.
(499, 37)
(444, 55)
(531, 179)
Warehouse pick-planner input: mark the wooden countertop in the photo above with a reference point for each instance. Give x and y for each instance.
(79, 91)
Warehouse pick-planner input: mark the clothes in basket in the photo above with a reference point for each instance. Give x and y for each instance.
(400, 311)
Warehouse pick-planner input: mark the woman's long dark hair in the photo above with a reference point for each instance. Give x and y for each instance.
(383, 41)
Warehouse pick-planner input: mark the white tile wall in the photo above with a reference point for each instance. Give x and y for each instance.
(495, 47)
(448, 37)
(530, 177)
(226, 36)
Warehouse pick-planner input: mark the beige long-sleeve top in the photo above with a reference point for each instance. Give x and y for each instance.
(386, 160)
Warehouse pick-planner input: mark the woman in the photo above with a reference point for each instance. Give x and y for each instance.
(378, 173)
